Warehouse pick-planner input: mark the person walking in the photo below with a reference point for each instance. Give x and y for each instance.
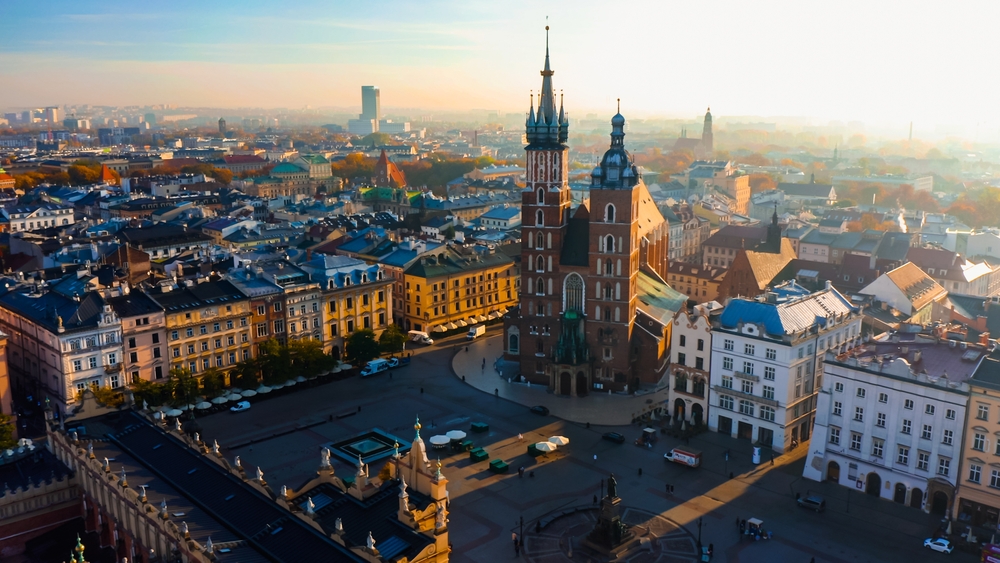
(520, 437)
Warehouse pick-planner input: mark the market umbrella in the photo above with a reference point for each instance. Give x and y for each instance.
(452, 326)
(440, 440)
(234, 397)
(482, 318)
(235, 390)
(220, 400)
(545, 447)
(492, 316)
(277, 386)
(248, 393)
(455, 435)
(440, 328)
(461, 322)
(290, 382)
(345, 367)
(174, 412)
(559, 440)
(300, 379)
(203, 406)
(335, 370)
(184, 407)
(263, 389)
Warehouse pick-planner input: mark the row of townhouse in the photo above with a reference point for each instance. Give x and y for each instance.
(70, 334)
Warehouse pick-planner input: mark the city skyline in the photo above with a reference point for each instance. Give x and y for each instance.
(778, 59)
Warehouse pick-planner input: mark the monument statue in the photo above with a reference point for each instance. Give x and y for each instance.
(612, 486)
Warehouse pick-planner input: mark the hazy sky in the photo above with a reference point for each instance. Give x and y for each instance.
(873, 60)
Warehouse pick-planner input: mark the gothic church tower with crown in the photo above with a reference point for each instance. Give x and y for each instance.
(595, 309)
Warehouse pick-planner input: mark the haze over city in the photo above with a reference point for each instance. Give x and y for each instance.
(882, 63)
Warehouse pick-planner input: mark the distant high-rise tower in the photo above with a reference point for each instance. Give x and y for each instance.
(222, 126)
(707, 140)
(370, 107)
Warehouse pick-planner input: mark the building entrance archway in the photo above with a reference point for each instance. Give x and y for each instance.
(833, 472)
(939, 503)
(916, 498)
(873, 485)
(899, 493)
(565, 383)
(697, 414)
(680, 410)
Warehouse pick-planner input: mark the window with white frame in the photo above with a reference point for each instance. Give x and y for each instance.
(928, 409)
(838, 387)
(748, 368)
(908, 404)
(768, 392)
(746, 407)
(861, 392)
(769, 373)
(859, 414)
(983, 412)
(907, 426)
(975, 472)
(727, 382)
(835, 435)
(728, 345)
(771, 353)
(726, 402)
(883, 397)
(880, 420)
(923, 461)
(727, 363)
(944, 466)
(995, 479)
(767, 413)
(979, 442)
(748, 349)
(855, 441)
(877, 446)
(926, 432)
(948, 437)
(837, 408)
(747, 386)
(903, 455)
(950, 414)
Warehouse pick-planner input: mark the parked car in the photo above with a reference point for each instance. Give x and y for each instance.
(812, 502)
(539, 409)
(939, 544)
(614, 437)
(240, 406)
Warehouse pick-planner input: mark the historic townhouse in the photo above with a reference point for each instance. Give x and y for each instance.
(890, 420)
(207, 325)
(59, 345)
(767, 358)
(144, 337)
(691, 362)
(353, 295)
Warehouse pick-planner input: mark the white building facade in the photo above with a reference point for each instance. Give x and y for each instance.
(890, 419)
(690, 363)
(766, 362)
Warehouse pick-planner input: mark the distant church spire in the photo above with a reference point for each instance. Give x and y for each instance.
(548, 127)
(707, 138)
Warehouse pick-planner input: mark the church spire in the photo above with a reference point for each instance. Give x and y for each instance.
(547, 98)
(547, 127)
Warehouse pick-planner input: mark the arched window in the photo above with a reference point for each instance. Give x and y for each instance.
(512, 344)
(609, 213)
(539, 241)
(573, 292)
(609, 243)
(540, 286)
(541, 196)
(540, 263)
(607, 292)
(539, 218)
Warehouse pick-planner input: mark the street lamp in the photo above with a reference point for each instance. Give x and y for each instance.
(699, 534)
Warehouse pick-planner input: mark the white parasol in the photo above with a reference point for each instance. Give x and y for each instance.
(234, 397)
(203, 406)
(290, 383)
(455, 435)
(559, 440)
(300, 379)
(545, 447)
(220, 400)
(248, 393)
(263, 389)
(174, 412)
(440, 440)
(461, 322)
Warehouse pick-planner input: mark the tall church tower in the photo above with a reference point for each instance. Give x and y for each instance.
(614, 257)
(707, 141)
(545, 205)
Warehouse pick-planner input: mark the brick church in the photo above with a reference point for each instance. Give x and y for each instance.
(595, 311)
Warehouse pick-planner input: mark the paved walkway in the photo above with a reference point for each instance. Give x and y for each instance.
(597, 408)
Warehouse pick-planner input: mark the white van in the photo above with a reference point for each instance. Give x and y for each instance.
(475, 332)
(420, 337)
(374, 366)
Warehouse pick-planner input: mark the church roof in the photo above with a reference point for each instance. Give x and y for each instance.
(657, 299)
(649, 216)
(767, 265)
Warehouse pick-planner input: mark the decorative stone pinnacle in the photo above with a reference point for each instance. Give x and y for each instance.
(236, 462)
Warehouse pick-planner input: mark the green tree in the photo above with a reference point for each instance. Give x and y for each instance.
(6, 432)
(361, 346)
(274, 362)
(375, 139)
(212, 381)
(151, 393)
(246, 374)
(307, 357)
(449, 233)
(391, 340)
(184, 385)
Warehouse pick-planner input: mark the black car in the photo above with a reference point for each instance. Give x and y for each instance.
(539, 409)
(614, 437)
(812, 502)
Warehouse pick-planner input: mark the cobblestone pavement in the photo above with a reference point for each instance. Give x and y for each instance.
(283, 435)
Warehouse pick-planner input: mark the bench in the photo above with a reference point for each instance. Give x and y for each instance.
(480, 427)
(478, 454)
(498, 466)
